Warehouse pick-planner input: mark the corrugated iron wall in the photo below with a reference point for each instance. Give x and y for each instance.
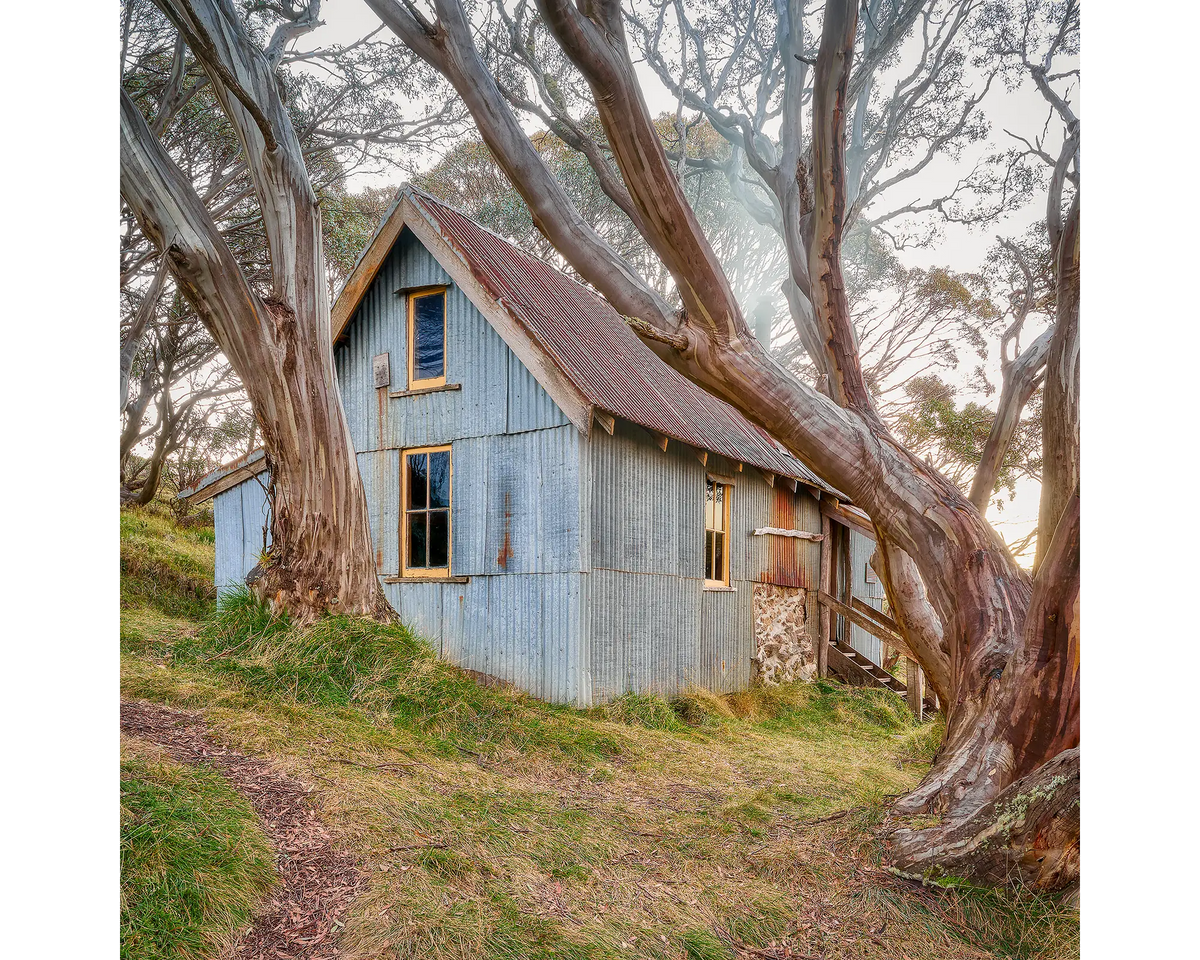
(651, 625)
(498, 394)
(515, 458)
(239, 515)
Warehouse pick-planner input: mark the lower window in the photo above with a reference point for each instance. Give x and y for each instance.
(425, 528)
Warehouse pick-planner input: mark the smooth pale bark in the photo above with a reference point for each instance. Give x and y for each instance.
(321, 556)
(595, 42)
(831, 307)
(137, 329)
(1060, 407)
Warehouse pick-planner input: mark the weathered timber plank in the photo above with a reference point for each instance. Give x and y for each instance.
(879, 617)
(780, 532)
(826, 584)
(848, 516)
(915, 688)
(873, 628)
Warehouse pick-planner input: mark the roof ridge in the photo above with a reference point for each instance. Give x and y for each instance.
(426, 195)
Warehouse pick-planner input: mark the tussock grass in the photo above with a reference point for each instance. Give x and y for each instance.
(493, 825)
(193, 860)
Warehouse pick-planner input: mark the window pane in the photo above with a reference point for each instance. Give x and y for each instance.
(416, 540)
(708, 504)
(429, 335)
(718, 556)
(417, 480)
(708, 555)
(718, 506)
(439, 538)
(439, 479)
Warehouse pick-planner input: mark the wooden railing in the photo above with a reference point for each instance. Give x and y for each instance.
(856, 611)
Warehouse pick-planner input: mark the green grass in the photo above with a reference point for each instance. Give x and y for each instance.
(193, 859)
(165, 569)
(493, 825)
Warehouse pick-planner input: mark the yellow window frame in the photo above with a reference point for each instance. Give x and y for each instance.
(425, 573)
(726, 498)
(413, 296)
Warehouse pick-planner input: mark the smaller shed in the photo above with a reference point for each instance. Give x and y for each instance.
(241, 516)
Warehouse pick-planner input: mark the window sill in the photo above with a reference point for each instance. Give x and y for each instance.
(420, 391)
(719, 589)
(395, 579)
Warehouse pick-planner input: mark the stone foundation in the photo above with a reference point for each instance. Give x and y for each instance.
(784, 651)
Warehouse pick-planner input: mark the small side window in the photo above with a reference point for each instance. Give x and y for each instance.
(427, 339)
(425, 529)
(716, 534)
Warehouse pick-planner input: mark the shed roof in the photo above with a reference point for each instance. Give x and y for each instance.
(583, 336)
(226, 475)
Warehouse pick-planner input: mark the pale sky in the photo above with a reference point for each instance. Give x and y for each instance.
(1022, 111)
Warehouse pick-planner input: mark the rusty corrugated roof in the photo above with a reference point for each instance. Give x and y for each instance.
(599, 353)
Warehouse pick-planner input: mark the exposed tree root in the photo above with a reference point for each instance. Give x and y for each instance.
(1029, 834)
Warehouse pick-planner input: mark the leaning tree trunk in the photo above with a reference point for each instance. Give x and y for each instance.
(1032, 747)
(321, 557)
(980, 595)
(1060, 407)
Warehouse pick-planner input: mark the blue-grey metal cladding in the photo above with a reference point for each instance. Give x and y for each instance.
(497, 393)
(581, 559)
(651, 625)
(240, 517)
(515, 526)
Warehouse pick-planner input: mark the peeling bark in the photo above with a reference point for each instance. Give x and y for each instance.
(321, 557)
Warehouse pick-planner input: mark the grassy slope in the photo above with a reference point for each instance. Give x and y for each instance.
(193, 858)
(495, 825)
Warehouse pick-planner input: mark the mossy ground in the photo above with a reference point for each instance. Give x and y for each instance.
(494, 825)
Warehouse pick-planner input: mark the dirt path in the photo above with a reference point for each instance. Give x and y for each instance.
(318, 882)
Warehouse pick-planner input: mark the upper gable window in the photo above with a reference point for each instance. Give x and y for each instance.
(427, 338)
(716, 534)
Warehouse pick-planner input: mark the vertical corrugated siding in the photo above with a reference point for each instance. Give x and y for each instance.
(516, 498)
(647, 506)
(791, 562)
(644, 632)
(380, 472)
(520, 628)
(529, 406)
(650, 625)
(239, 515)
(727, 638)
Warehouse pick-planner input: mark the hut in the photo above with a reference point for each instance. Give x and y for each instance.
(554, 506)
